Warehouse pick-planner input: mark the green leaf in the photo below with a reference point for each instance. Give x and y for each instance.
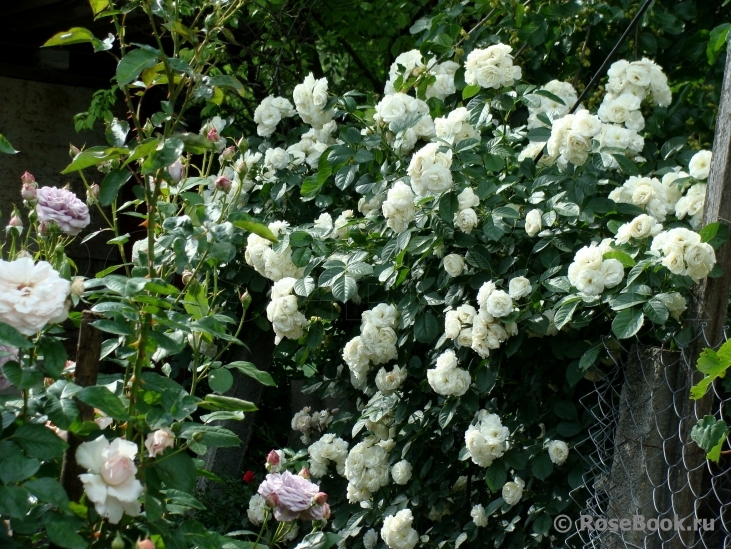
(113, 327)
(14, 500)
(565, 313)
(496, 475)
(13, 338)
(112, 182)
(177, 471)
(426, 327)
(448, 206)
(220, 380)
(656, 311)
(627, 323)
(100, 397)
(98, 6)
(166, 153)
(6, 147)
(49, 490)
(470, 91)
(625, 259)
(249, 369)
(447, 413)
(344, 288)
(231, 404)
(589, 357)
(14, 466)
(315, 335)
(75, 35)
(132, 65)
(63, 534)
(319, 540)
(256, 228)
(92, 157)
(542, 466)
(714, 234)
(628, 167)
(39, 441)
(708, 432)
(22, 378)
(713, 365)
(624, 301)
(54, 356)
(226, 81)
(209, 435)
(717, 41)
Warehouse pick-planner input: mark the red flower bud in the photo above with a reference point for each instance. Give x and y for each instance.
(273, 458)
(272, 500)
(223, 183)
(248, 477)
(212, 135)
(27, 178)
(319, 499)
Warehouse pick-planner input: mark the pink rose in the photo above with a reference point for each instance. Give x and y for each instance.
(157, 441)
(294, 496)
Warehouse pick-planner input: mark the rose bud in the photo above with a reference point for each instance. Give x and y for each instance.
(212, 135)
(73, 151)
(145, 544)
(92, 194)
(304, 473)
(77, 286)
(243, 145)
(272, 500)
(223, 183)
(245, 299)
(176, 171)
(228, 153)
(15, 221)
(157, 441)
(28, 178)
(326, 512)
(187, 277)
(248, 477)
(273, 458)
(319, 499)
(28, 191)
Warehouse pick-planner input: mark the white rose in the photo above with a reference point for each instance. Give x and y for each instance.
(158, 440)
(513, 491)
(454, 264)
(533, 222)
(466, 220)
(389, 382)
(397, 531)
(391, 108)
(499, 304)
(257, 509)
(370, 539)
(612, 271)
(700, 165)
(276, 159)
(519, 287)
(700, 259)
(558, 451)
(468, 199)
(479, 517)
(452, 325)
(401, 472)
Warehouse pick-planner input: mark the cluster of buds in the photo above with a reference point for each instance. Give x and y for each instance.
(306, 423)
(29, 189)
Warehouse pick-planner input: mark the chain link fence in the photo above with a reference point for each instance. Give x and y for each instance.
(643, 462)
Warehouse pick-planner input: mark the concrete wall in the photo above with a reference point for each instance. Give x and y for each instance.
(37, 119)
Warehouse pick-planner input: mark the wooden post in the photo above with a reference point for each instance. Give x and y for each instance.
(709, 310)
(88, 354)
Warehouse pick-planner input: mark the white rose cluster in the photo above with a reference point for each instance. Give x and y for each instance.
(623, 109)
(407, 120)
(447, 379)
(455, 127)
(683, 253)
(486, 440)
(552, 109)
(458, 325)
(310, 98)
(642, 226)
(466, 217)
(270, 112)
(366, 469)
(269, 263)
(257, 510)
(312, 144)
(389, 382)
(411, 64)
(282, 311)
(491, 67)
(488, 332)
(692, 205)
(429, 170)
(329, 449)
(306, 423)
(398, 208)
(616, 139)
(397, 531)
(571, 138)
(590, 273)
(638, 78)
(371, 206)
(648, 193)
(376, 343)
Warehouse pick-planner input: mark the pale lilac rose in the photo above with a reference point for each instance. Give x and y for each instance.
(63, 208)
(293, 496)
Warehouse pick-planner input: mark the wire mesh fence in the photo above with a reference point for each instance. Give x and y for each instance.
(650, 485)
